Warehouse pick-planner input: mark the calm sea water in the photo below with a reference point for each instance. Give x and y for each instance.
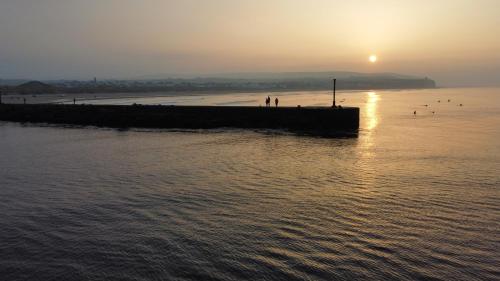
(412, 198)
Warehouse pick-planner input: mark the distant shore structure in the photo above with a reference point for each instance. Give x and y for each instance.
(334, 92)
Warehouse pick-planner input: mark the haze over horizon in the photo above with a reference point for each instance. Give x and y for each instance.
(53, 39)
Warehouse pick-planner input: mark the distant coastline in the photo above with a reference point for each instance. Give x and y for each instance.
(264, 82)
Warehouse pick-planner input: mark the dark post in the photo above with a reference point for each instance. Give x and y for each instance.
(334, 90)
(0, 97)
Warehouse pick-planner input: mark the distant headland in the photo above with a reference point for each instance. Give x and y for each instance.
(290, 81)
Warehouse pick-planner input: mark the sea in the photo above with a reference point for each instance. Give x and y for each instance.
(414, 196)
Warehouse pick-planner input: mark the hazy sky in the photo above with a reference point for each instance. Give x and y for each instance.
(456, 42)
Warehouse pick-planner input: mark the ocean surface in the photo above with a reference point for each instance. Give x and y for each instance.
(413, 197)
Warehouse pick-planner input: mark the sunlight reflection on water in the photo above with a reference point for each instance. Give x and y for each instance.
(371, 110)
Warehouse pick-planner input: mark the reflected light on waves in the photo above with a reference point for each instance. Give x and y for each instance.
(371, 110)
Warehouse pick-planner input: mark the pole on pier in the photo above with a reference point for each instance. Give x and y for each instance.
(334, 90)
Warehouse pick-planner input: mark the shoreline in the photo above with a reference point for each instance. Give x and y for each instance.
(168, 93)
(67, 98)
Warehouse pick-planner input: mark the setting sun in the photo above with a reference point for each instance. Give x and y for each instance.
(373, 58)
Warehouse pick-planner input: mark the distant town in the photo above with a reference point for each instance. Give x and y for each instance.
(262, 82)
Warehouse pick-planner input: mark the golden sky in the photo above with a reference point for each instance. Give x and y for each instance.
(457, 42)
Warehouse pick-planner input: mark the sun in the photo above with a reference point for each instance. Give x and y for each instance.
(373, 58)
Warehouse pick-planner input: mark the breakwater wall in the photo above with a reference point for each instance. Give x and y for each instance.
(307, 119)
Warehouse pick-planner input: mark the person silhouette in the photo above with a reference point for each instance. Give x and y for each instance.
(268, 101)
(276, 101)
